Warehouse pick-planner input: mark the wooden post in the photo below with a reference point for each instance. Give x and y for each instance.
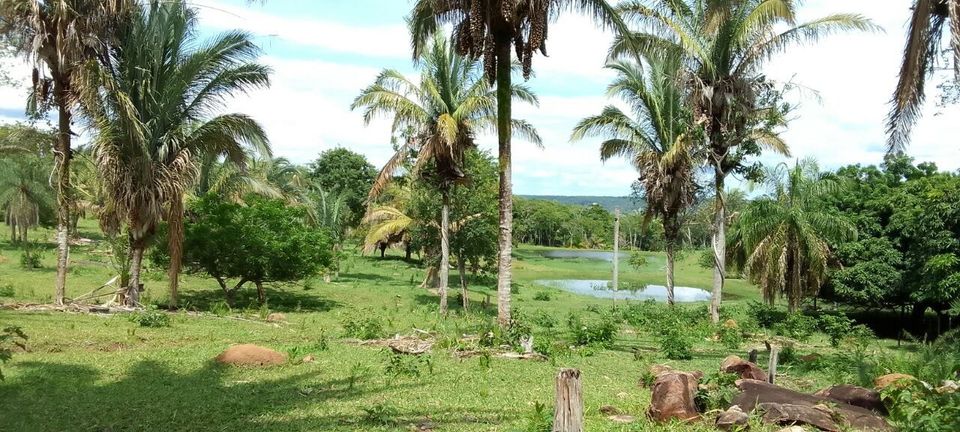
(568, 411)
(772, 367)
(616, 254)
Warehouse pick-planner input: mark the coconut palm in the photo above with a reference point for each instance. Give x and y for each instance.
(441, 114)
(275, 178)
(785, 236)
(660, 140)
(489, 29)
(24, 192)
(930, 20)
(154, 104)
(59, 37)
(724, 45)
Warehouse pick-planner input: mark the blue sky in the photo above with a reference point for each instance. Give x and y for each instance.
(324, 51)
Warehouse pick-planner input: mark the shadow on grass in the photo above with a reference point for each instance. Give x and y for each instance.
(287, 300)
(151, 396)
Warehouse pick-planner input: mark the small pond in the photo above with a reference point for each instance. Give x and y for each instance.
(602, 289)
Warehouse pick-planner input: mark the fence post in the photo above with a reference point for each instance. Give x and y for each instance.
(568, 411)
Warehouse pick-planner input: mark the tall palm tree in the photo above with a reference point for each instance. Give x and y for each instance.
(924, 38)
(154, 104)
(443, 111)
(489, 29)
(724, 45)
(24, 191)
(660, 141)
(59, 37)
(785, 236)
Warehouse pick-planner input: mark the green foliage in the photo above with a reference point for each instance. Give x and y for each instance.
(32, 257)
(407, 365)
(765, 315)
(730, 336)
(543, 319)
(381, 414)
(548, 223)
(705, 259)
(151, 317)
(797, 326)
(836, 326)
(346, 174)
(638, 260)
(717, 391)
(6, 290)
(538, 419)
(674, 334)
(916, 408)
(263, 241)
(11, 337)
(542, 296)
(364, 324)
(600, 332)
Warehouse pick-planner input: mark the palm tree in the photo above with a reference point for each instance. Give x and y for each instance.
(784, 237)
(724, 45)
(489, 29)
(265, 176)
(443, 112)
(59, 37)
(924, 37)
(24, 191)
(153, 103)
(660, 141)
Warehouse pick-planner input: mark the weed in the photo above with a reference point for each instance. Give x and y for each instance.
(6, 290)
(797, 326)
(366, 326)
(542, 296)
(599, 332)
(150, 317)
(380, 414)
(540, 419)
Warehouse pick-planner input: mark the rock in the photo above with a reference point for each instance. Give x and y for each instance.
(251, 355)
(730, 324)
(309, 359)
(887, 380)
(948, 386)
(609, 410)
(409, 345)
(792, 429)
(784, 406)
(856, 396)
(732, 419)
(742, 368)
(673, 396)
(657, 370)
(624, 419)
(276, 317)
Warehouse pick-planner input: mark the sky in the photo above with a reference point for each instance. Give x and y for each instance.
(323, 52)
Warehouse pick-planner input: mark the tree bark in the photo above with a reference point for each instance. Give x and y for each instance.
(568, 408)
(136, 263)
(261, 293)
(62, 155)
(175, 247)
(671, 260)
(504, 276)
(462, 268)
(719, 240)
(444, 250)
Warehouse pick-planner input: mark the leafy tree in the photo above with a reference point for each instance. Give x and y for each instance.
(148, 144)
(263, 241)
(659, 140)
(60, 37)
(724, 46)
(443, 112)
(346, 174)
(928, 26)
(489, 29)
(786, 235)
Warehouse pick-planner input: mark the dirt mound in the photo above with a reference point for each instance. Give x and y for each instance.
(251, 355)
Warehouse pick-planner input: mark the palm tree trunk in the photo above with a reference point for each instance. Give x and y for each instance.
(136, 261)
(719, 241)
(175, 247)
(671, 261)
(462, 268)
(504, 276)
(62, 170)
(444, 249)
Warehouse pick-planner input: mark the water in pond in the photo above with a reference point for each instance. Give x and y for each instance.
(601, 289)
(582, 254)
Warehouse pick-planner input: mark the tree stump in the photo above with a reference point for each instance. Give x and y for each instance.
(772, 368)
(568, 411)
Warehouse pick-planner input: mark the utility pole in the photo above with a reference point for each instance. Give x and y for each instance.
(616, 254)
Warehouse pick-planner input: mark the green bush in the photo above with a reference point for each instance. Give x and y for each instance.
(797, 326)
(765, 315)
(675, 336)
(716, 392)
(543, 319)
(836, 326)
(730, 335)
(6, 290)
(31, 258)
(11, 337)
(406, 365)
(151, 317)
(365, 325)
(597, 332)
(705, 259)
(542, 296)
(540, 419)
(916, 408)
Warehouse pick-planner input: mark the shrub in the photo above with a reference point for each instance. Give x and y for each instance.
(916, 408)
(705, 259)
(730, 335)
(11, 337)
(151, 317)
(797, 326)
(765, 315)
(836, 326)
(540, 419)
(380, 414)
(599, 332)
(675, 337)
(404, 365)
(6, 290)
(366, 326)
(542, 296)
(716, 391)
(642, 314)
(543, 319)
(31, 258)
(638, 260)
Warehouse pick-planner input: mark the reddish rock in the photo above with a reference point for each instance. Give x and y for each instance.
(251, 355)
(786, 407)
(856, 396)
(887, 380)
(732, 419)
(673, 396)
(742, 368)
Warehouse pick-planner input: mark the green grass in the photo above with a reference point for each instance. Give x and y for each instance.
(90, 372)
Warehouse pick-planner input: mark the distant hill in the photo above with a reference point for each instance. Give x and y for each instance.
(625, 204)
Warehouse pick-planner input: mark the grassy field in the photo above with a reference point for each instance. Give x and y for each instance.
(105, 373)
